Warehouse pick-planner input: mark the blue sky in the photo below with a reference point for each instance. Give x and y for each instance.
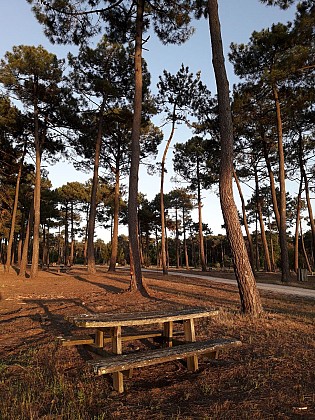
(239, 18)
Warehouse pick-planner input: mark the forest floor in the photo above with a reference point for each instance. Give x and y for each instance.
(271, 376)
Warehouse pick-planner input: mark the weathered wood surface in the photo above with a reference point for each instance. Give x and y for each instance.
(124, 362)
(75, 340)
(138, 318)
(140, 335)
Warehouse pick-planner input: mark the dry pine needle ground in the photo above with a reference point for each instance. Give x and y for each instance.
(270, 377)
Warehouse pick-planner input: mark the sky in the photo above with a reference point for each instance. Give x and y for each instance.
(239, 18)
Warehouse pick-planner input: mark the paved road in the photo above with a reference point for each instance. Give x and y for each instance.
(276, 288)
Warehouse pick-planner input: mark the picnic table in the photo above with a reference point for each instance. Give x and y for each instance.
(110, 328)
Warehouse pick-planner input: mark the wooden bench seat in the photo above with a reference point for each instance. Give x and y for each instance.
(125, 362)
(73, 340)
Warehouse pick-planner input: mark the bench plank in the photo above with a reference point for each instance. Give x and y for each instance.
(136, 360)
(73, 340)
(139, 318)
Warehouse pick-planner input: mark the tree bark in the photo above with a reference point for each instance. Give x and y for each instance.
(272, 186)
(249, 236)
(262, 225)
(136, 280)
(163, 240)
(113, 257)
(201, 241)
(24, 259)
(297, 226)
(249, 296)
(307, 193)
(14, 212)
(37, 187)
(185, 241)
(93, 204)
(304, 250)
(283, 206)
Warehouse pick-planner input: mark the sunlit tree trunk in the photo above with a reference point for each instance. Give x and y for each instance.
(136, 282)
(249, 296)
(93, 204)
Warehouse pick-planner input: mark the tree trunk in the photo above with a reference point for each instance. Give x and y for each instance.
(185, 241)
(201, 241)
(136, 281)
(297, 225)
(113, 257)
(93, 204)
(15, 206)
(307, 193)
(249, 296)
(262, 225)
(66, 250)
(35, 253)
(272, 185)
(304, 250)
(72, 236)
(283, 206)
(177, 245)
(163, 240)
(249, 236)
(24, 259)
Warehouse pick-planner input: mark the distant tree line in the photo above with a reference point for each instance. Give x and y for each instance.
(95, 110)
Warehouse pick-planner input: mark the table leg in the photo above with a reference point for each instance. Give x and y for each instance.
(99, 338)
(118, 381)
(168, 333)
(190, 335)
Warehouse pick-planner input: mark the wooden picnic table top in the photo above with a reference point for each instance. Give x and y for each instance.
(103, 320)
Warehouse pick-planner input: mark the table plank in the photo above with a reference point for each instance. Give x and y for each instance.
(104, 320)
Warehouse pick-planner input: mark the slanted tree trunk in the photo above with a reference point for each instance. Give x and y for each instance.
(136, 282)
(93, 204)
(304, 250)
(283, 206)
(163, 226)
(249, 296)
(249, 236)
(307, 193)
(14, 212)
